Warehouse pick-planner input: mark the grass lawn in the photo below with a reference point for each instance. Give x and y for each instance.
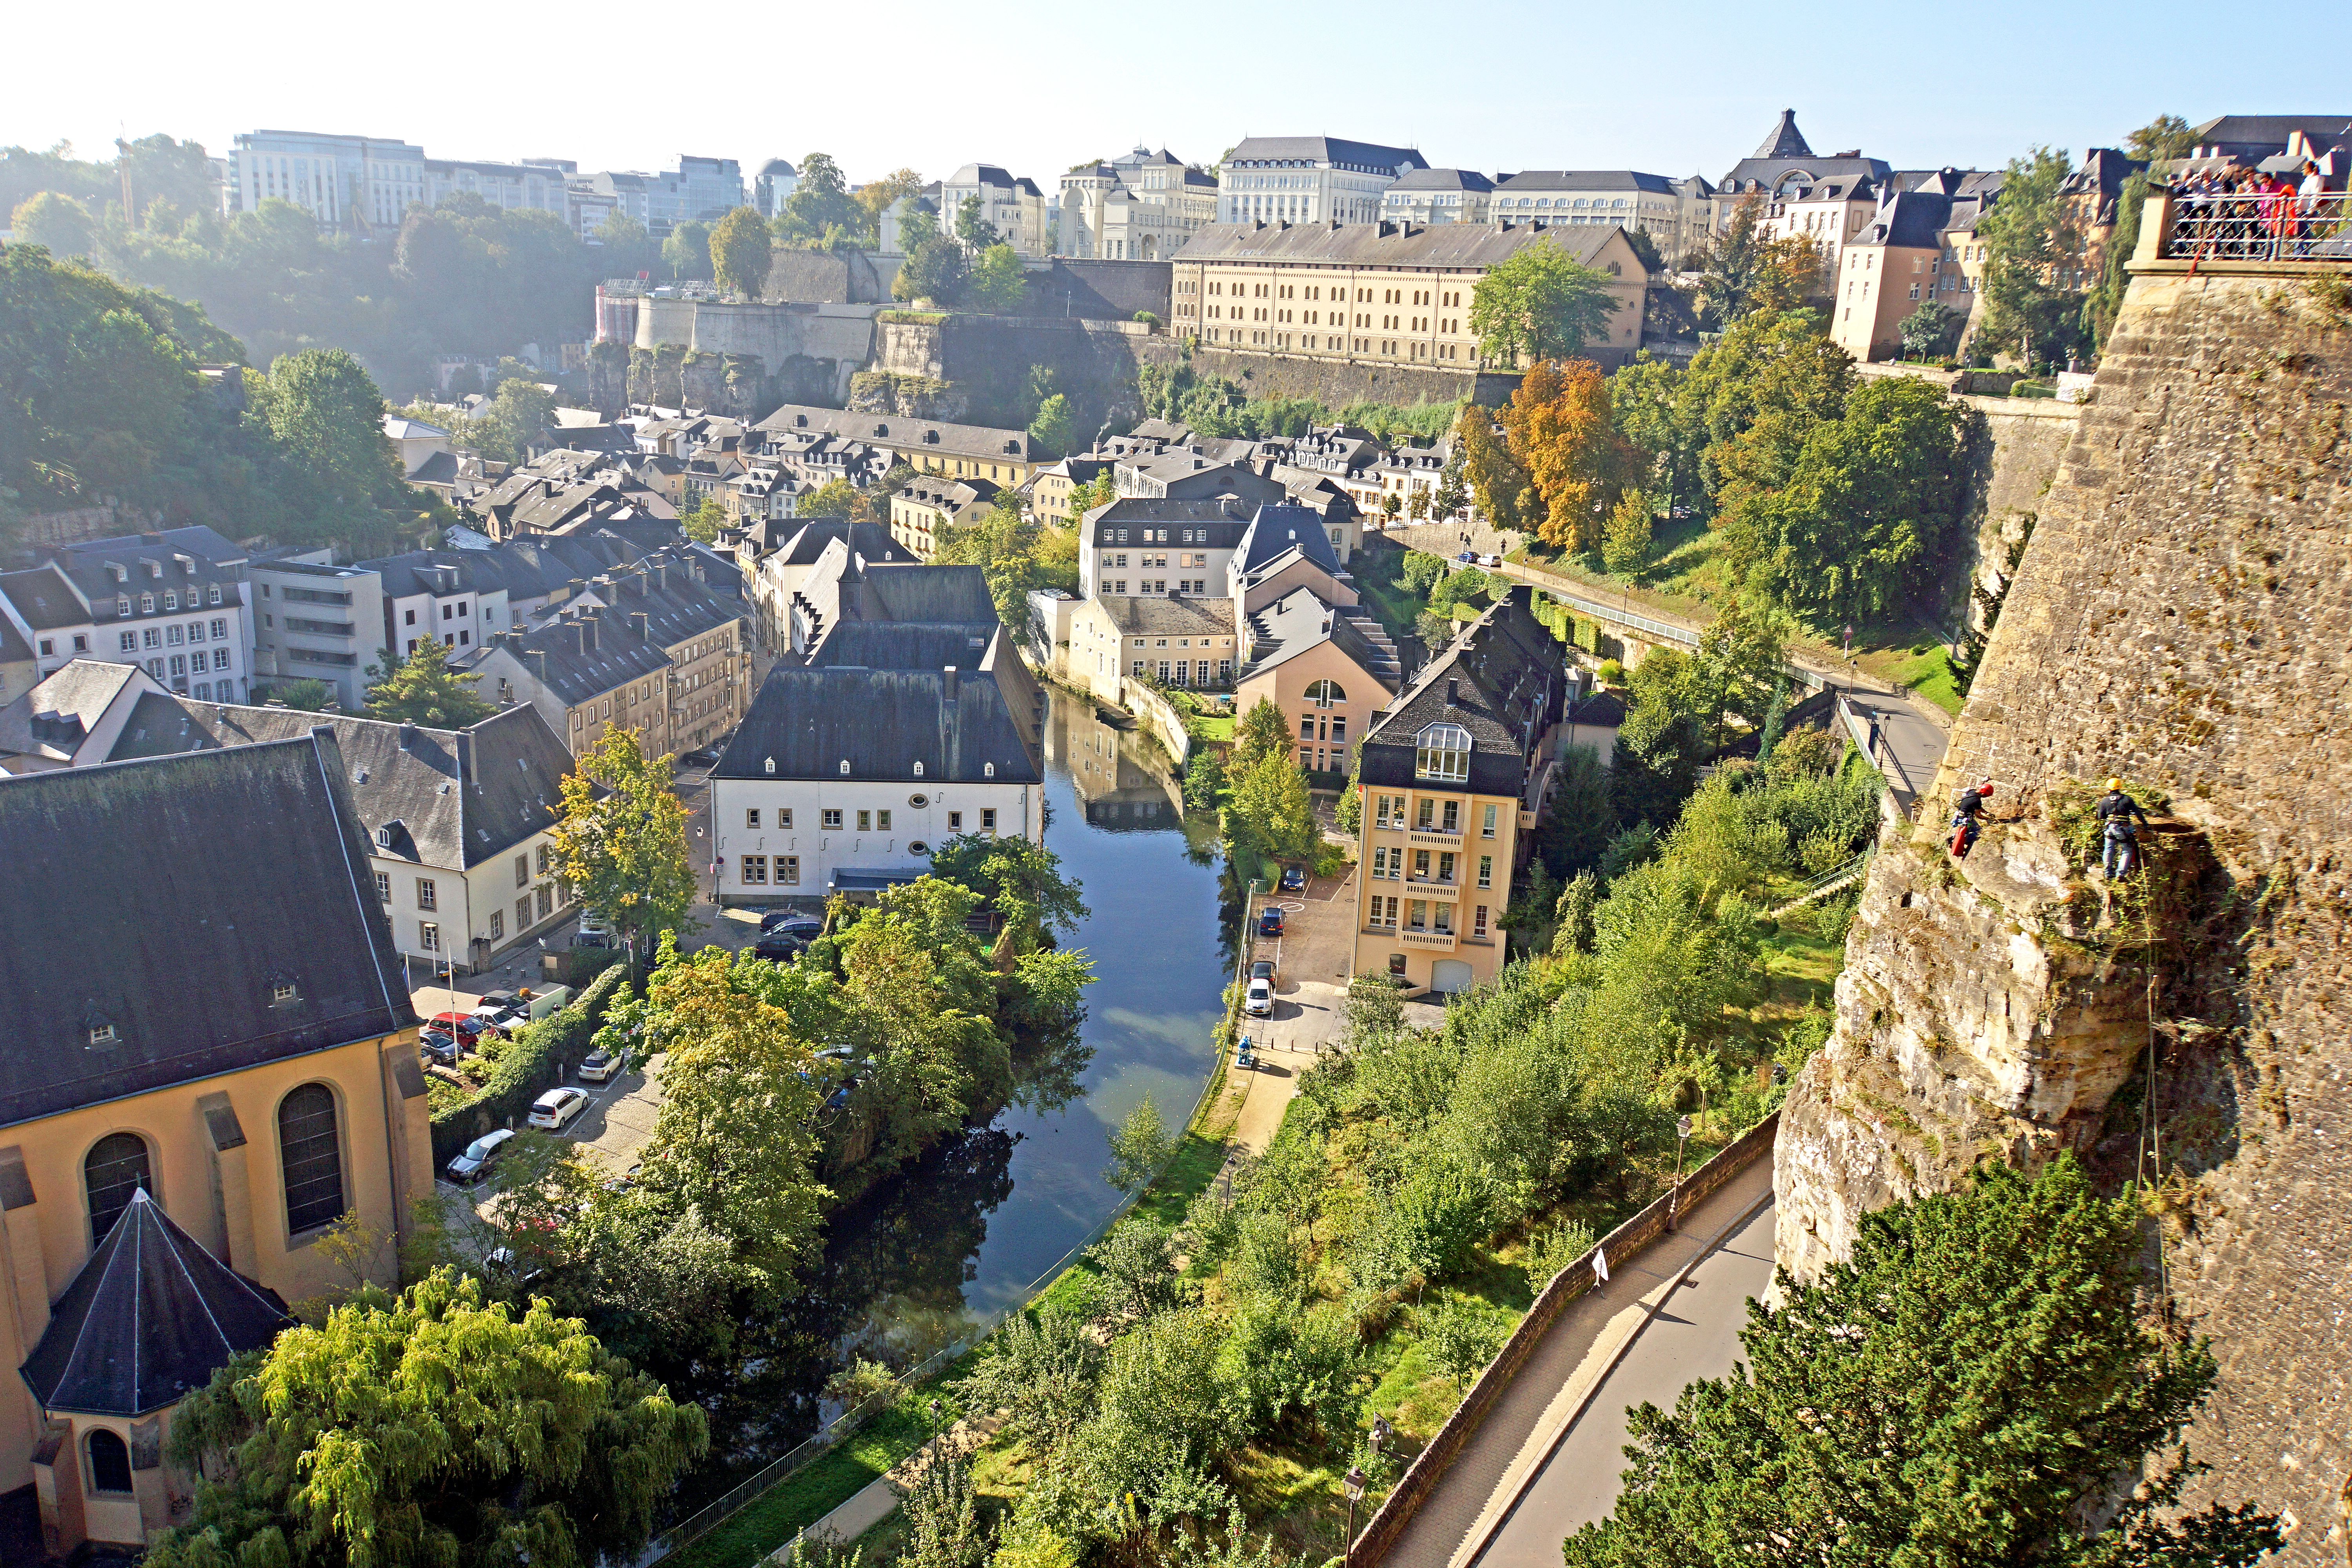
(1210, 727)
(1930, 673)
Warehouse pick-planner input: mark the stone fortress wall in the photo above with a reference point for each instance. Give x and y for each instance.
(2181, 616)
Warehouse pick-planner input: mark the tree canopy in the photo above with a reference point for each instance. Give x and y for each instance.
(2034, 250)
(430, 1427)
(622, 839)
(1538, 304)
(739, 252)
(1964, 1391)
(423, 689)
(1564, 438)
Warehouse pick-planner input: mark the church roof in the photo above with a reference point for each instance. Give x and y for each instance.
(150, 1317)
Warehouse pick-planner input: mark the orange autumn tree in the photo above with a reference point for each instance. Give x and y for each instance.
(1560, 431)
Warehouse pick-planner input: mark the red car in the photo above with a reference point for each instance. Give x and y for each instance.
(470, 1030)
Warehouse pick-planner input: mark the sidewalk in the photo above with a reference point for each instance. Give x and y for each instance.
(881, 1499)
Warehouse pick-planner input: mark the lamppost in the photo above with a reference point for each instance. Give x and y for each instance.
(1674, 1194)
(1353, 1481)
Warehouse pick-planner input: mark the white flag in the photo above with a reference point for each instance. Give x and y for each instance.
(1601, 1265)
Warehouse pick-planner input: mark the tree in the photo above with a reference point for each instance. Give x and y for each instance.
(1273, 812)
(424, 690)
(943, 1523)
(1538, 304)
(2033, 246)
(687, 251)
(1261, 732)
(739, 252)
(628, 248)
(1453, 490)
(1562, 437)
(703, 524)
(834, 497)
(1139, 1147)
(1495, 478)
(996, 283)
(514, 420)
(977, 233)
(427, 1428)
(1052, 427)
(1020, 880)
(305, 695)
(1966, 1390)
(1742, 271)
(933, 270)
(60, 223)
(821, 202)
(2162, 138)
(1929, 331)
(875, 195)
(1204, 777)
(917, 223)
(325, 410)
(622, 838)
(1625, 541)
(1460, 1337)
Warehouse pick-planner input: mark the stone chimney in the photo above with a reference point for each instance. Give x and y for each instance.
(951, 682)
(408, 737)
(587, 624)
(537, 664)
(1452, 692)
(642, 623)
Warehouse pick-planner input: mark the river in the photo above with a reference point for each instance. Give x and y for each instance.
(971, 1227)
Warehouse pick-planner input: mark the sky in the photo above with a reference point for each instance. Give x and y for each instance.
(1040, 85)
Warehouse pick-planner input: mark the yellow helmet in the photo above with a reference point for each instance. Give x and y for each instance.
(2114, 783)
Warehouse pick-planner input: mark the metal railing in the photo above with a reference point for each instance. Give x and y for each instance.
(833, 1433)
(2260, 226)
(1827, 881)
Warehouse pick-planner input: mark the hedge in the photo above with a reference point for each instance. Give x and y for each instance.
(528, 1068)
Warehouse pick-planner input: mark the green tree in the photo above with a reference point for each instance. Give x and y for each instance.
(1040, 1370)
(1965, 1391)
(996, 283)
(1139, 1147)
(1453, 488)
(821, 202)
(1263, 732)
(917, 223)
(1538, 304)
(933, 270)
(515, 420)
(834, 497)
(1272, 811)
(1204, 777)
(2166, 137)
(740, 252)
(687, 251)
(1505, 498)
(622, 838)
(943, 1525)
(1019, 879)
(1930, 330)
(702, 524)
(628, 248)
(1052, 429)
(875, 195)
(1625, 539)
(1460, 1337)
(325, 410)
(308, 696)
(429, 1427)
(424, 690)
(2033, 246)
(60, 223)
(977, 233)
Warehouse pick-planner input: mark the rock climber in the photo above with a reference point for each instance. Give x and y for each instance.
(1968, 811)
(2119, 837)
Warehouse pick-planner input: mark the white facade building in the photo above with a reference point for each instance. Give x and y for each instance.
(1309, 179)
(336, 179)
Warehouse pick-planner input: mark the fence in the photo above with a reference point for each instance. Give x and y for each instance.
(1429, 1465)
(833, 1433)
(1871, 737)
(2279, 225)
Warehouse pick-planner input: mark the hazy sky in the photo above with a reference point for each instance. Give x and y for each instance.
(1039, 86)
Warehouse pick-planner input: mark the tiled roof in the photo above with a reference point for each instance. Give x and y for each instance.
(809, 722)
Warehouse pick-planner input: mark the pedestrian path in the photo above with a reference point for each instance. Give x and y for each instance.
(881, 1498)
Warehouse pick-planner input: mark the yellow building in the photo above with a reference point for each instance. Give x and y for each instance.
(1454, 777)
(247, 1069)
(1382, 292)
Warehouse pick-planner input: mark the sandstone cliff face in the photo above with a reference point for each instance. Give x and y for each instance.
(2182, 616)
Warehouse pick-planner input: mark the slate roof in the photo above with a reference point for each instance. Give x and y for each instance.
(148, 567)
(948, 596)
(1784, 140)
(2270, 132)
(1461, 245)
(1224, 528)
(396, 773)
(257, 854)
(676, 608)
(805, 540)
(53, 719)
(1507, 688)
(1528, 180)
(1176, 615)
(1274, 532)
(984, 441)
(1258, 151)
(1443, 179)
(1299, 620)
(577, 667)
(881, 722)
(46, 600)
(947, 494)
(14, 649)
(150, 1317)
(903, 645)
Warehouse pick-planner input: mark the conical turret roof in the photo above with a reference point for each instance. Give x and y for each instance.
(150, 1317)
(1786, 141)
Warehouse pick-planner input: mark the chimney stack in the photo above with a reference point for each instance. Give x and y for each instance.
(407, 737)
(1452, 692)
(587, 635)
(537, 664)
(466, 756)
(951, 673)
(642, 623)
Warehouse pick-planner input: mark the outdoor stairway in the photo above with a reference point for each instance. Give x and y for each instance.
(1820, 886)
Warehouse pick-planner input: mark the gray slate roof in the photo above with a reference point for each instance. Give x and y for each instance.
(1503, 680)
(1300, 621)
(1443, 180)
(149, 1319)
(902, 645)
(1175, 615)
(43, 597)
(1274, 532)
(881, 722)
(1462, 245)
(1530, 180)
(1257, 151)
(55, 717)
(257, 854)
(1224, 526)
(396, 773)
(1784, 140)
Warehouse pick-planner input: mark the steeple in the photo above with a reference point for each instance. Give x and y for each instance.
(1786, 141)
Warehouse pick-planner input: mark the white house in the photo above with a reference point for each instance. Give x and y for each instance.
(844, 777)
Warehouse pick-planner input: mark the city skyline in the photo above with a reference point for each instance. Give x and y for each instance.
(1692, 115)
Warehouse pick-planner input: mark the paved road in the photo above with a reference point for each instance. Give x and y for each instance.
(1694, 1336)
(1573, 1378)
(1916, 741)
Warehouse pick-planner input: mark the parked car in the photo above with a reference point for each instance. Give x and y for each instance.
(1260, 1004)
(800, 923)
(1293, 878)
(502, 1258)
(1269, 921)
(505, 1009)
(479, 1155)
(469, 1028)
(778, 947)
(600, 1066)
(438, 1045)
(1490, 559)
(1262, 970)
(552, 1109)
(1466, 558)
(707, 756)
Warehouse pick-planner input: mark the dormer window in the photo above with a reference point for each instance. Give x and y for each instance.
(845, 767)
(1442, 752)
(102, 1032)
(772, 765)
(281, 991)
(988, 769)
(146, 604)
(384, 835)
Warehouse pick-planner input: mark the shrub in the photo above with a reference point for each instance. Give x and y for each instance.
(1610, 672)
(527, 1066)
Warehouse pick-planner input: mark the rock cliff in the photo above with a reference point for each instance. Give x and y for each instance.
(2181, 616)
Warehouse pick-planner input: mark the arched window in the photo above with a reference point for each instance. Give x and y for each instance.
(1442, 752)
(1324, 693)
(109, 1461)
(115, 1167)
(310, 1151)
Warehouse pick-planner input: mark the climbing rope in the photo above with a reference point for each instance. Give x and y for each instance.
(2151, 1141)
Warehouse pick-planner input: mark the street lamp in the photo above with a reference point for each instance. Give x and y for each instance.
(1682, 1136)
(1353, 1481)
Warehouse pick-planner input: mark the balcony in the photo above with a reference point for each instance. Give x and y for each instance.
(1436, 836)
(1431, 888)
(1443, 939)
